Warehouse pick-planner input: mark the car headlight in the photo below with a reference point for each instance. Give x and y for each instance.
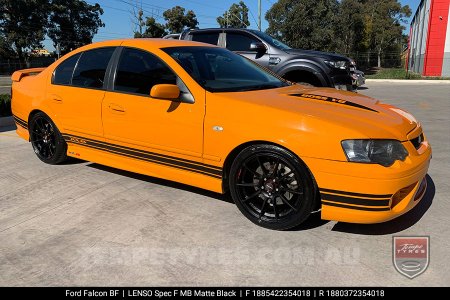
(383, 152)
(338, 64)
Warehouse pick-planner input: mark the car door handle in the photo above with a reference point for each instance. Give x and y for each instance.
(57, 98)
(116, 108)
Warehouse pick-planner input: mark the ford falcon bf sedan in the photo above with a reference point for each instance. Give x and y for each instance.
(207, 117)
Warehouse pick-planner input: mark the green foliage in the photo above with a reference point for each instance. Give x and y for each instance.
(153, 29)
(308, 24)
(236, 16)
(177, 20)
(383, 20)
(5, 105)
(22, 24)
(393, 73)
(350, 26)
(346, 26)
(73, 23)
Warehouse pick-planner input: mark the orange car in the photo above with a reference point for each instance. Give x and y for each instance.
(204, 116)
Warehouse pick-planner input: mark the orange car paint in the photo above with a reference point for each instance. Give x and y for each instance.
(190, 143)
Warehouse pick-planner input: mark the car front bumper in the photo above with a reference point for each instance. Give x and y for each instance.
(368, 193)
(342, 80)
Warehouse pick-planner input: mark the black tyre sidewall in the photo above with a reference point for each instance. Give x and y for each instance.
(307, 181)
(61, 145)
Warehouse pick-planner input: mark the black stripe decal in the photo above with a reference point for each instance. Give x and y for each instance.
(356, 201)
(387, 196)
(332, 100)
(145, 152)
(21, 122)
(147, 156)
(355, 207)
(149, 160)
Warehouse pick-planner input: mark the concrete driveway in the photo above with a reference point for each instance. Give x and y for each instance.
(85, 224)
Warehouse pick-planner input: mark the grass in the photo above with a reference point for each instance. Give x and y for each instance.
(5, 105)
(398, 73)
(393, 74)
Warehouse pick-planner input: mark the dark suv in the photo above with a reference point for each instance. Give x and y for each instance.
(304, 66)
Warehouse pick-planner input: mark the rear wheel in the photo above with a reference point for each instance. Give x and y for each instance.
(47, 141)
(271, 187)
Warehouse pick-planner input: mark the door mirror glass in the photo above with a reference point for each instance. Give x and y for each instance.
(165, 91)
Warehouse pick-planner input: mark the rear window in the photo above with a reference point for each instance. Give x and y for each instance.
(206, 37)
(91, 68)
(63, 73)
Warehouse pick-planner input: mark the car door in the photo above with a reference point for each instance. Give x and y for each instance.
(77, 90)
(240, 42)
(132, 118)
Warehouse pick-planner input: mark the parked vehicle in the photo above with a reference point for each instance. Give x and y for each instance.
(172, 36)
(359, 79)
(314, 68)
(205, 116)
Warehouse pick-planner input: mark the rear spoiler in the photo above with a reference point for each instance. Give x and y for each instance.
(18, 75)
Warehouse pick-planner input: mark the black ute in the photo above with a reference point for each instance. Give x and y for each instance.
(304, 66)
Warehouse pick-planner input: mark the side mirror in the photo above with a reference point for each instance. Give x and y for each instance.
(258, 47)
(165, 91)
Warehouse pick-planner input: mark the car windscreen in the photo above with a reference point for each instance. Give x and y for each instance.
(220, 70)
(270, 40)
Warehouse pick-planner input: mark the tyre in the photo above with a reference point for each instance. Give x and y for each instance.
(307, 84)
(47, 141)
(272, 187)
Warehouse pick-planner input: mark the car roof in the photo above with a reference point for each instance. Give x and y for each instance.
(148, 43)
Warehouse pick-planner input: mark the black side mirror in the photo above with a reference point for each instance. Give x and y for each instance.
(258, 47)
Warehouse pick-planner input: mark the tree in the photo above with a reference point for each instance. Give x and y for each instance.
(153, 29)
(384, 19)
(139, 23)
(236, 16)
(307, 24)
(73, 23)
(177, 20)
(349, 26)
(5, 48)
(22, 24)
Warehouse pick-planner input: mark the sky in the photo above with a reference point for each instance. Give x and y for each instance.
(117, 14)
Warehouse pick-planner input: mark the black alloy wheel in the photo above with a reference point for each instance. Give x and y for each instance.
(272, 187)
(47, 142)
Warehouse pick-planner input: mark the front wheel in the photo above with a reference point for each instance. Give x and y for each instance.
(271, 187)
(47, 141)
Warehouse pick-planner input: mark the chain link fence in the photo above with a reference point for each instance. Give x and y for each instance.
(366, 61)
(9, 65)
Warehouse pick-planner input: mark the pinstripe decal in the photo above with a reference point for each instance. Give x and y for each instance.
(20, 122)
(355, 200)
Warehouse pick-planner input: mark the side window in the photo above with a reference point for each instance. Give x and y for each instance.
(91, 68)
(138, 71)
(206, 37)
(239, 42)
(63, 73)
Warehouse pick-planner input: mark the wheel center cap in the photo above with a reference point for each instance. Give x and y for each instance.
(269, 185)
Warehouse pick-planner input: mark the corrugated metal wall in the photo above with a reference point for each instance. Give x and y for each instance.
(429, 52)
